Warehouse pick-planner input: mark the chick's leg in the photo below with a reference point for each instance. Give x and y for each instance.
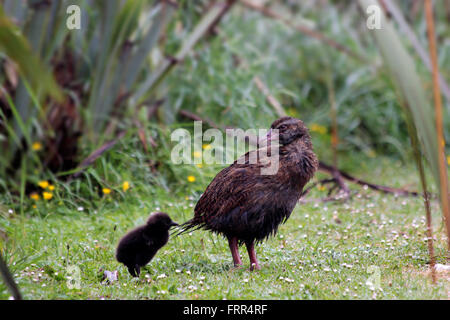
(134, 270)
(138, 270)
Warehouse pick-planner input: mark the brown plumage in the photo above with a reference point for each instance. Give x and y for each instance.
(139, 245)
(246, 206)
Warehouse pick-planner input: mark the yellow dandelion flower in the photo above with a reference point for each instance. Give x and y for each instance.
(125, 186)
(47, 195)
(186, 198)
(51, 187)
(34, 206)
(106, 191)
(197, 154)
(292, 112)
(207, 146)
(448, 160)
(318, 128)
(43, 184)
(36, 146)
(34, 196)
(199, 165)
(321, 187)
(191, 178)
(371, 154)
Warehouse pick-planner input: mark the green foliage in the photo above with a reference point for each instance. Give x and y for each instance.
(15, 46)
(413, 95)
(98, 66)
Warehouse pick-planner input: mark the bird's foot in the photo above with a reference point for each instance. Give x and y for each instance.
(236, 267)
(254, 266)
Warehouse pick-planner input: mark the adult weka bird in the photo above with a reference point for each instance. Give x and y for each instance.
(246, 206)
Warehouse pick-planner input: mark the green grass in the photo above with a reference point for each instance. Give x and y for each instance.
(312, 256)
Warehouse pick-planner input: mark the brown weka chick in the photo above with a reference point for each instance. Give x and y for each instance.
(246, 206)
(139, 245)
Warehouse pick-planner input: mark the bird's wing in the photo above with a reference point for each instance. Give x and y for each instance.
(232, 187)
(148, 240)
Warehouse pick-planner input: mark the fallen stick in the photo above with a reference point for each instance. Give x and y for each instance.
(329, 169)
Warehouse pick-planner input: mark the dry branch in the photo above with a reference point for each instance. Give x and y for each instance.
(385, 189)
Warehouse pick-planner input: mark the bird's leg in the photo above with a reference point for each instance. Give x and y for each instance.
(252, 255)
(132, 271)
(138, 270)
(135, 270)
(233, 242)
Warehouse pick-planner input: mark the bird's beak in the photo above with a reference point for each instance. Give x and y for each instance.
(173, 224)
(264, 141)
(270, 136)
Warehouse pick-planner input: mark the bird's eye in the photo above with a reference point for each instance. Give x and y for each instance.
(282, 127)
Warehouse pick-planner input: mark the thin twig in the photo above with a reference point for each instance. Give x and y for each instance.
(193, 116)
(426, 199)
(341, 196)
(419, 163)
(313, 185)
(439, 125)
(271, 99)
(334, 121)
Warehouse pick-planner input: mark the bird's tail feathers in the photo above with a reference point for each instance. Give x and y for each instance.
(189, 225)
